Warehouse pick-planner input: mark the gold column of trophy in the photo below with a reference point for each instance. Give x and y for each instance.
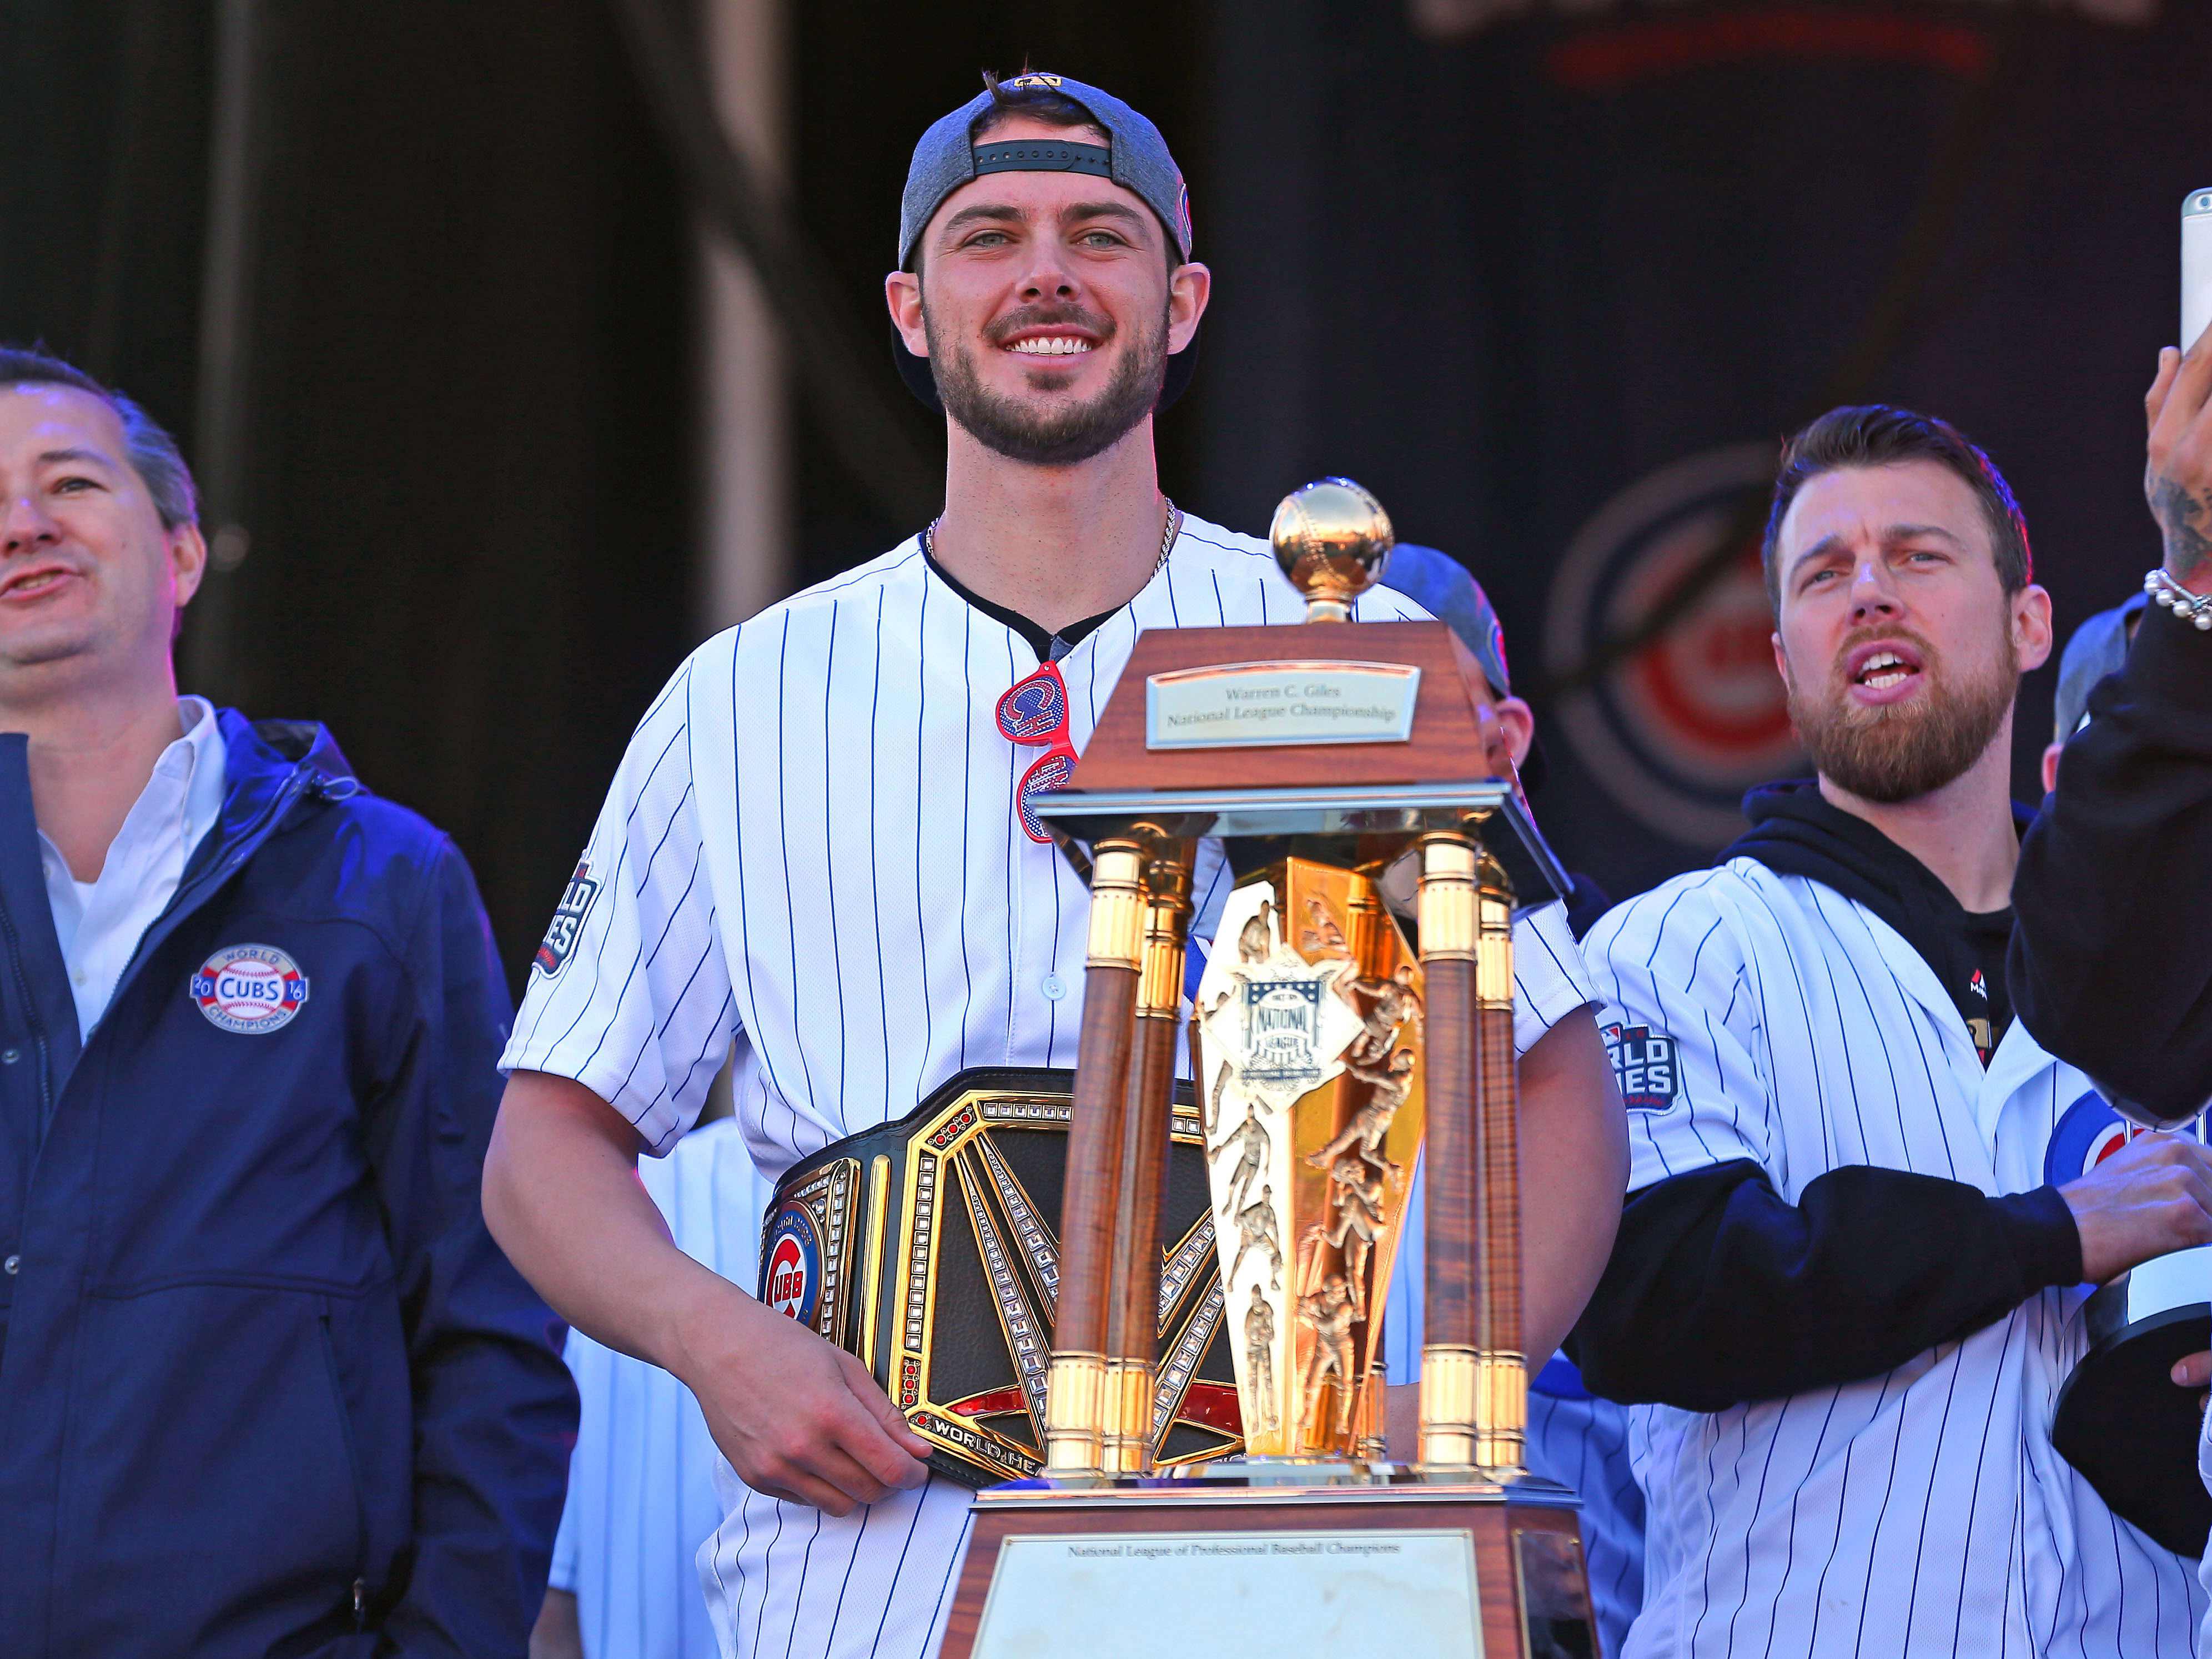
(1353, 1021)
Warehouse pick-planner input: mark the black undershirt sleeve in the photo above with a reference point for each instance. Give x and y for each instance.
(2111, 963)
(1719, 1293)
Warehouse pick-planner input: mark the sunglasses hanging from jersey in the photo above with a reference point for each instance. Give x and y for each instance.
(1034, 710)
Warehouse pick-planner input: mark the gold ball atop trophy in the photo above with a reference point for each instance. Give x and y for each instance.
(1333, 540)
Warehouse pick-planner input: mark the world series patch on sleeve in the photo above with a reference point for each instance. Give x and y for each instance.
(568, 921)
(1643, 1064)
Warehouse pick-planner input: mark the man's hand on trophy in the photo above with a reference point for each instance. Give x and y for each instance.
(2152, 1197)
(2178, 477)
(797, 1418)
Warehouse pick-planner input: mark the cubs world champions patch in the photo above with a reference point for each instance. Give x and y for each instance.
(1643, 1064)
(567, 923)
(250, 989)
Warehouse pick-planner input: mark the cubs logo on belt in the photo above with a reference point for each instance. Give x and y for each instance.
(791, 1276)
(250, 989)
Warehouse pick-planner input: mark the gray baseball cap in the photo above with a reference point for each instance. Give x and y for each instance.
(2098, 647)
(1136, 159)
(1443, 587)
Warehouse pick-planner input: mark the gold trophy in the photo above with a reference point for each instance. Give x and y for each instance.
(1354, 1019)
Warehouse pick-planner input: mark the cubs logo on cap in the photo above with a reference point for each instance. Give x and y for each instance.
(252, 989)
(791, 1266)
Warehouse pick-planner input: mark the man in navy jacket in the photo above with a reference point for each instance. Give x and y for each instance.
(266, 1384)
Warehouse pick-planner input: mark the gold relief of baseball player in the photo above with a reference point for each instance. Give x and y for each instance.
(1256, 1228)
(1258, 1395)
(1255, 941)
(1356, 1194)
(1391, 1003)
(1387, 1086)
(1327, 1316)
(1252, 1143)
(1320, 936)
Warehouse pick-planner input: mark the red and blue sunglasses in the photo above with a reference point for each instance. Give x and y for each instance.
(1034, 710)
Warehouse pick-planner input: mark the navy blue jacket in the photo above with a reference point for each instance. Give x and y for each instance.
(267, 1386)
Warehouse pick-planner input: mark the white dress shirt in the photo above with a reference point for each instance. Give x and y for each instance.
(100, 922)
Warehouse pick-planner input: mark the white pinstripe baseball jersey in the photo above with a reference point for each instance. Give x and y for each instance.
(1919, 1511)
(810, 851)
(641, 1496)
(2204, 1567)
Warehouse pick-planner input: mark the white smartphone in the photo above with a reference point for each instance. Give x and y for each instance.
(2196, 265)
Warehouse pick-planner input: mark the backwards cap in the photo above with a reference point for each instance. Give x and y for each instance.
(1136, 158)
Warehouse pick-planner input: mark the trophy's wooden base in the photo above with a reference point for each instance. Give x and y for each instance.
(1426, 1566)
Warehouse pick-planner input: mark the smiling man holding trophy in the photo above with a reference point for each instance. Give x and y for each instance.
(823, 854)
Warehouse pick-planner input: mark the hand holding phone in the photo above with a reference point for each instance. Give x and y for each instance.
(2196, 265)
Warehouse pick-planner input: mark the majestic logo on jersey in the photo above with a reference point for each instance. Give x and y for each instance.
(791, 1276)
(2089, 1132)
(568, 924)
(250, 989)
(1678, 727)
(1644, 1066)
(1979, 986)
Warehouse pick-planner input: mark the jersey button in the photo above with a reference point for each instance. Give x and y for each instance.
(1054, 986)
(9, 1056)
(11, 1264)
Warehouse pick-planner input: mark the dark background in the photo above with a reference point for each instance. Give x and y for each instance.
(1500, 275)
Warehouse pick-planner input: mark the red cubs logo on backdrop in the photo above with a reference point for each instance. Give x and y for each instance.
(791, 1265)
(1677, 718)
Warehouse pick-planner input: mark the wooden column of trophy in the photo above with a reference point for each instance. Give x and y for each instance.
(1346, 769)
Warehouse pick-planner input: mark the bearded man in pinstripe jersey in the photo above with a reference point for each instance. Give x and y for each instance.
(817, 852)
(1841, 1298)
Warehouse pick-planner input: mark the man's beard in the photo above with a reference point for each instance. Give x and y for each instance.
(1898, 752)
(1066, 435)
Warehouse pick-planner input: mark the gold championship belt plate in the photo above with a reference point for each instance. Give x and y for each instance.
(929, 1248)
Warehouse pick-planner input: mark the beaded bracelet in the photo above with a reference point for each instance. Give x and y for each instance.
(2186, 605)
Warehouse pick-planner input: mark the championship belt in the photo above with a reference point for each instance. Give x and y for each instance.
(929, 1248)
